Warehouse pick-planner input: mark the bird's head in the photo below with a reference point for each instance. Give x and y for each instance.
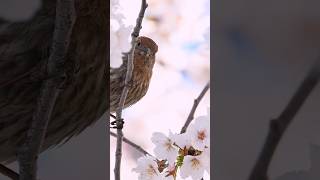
(144, 56)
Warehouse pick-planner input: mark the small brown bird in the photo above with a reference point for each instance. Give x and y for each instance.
(144, 59)
(24, 51)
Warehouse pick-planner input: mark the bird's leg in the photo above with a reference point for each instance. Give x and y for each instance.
(114, 123)
(117, 124)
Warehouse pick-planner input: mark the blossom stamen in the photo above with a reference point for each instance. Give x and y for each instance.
(201, 135)
(195, 163)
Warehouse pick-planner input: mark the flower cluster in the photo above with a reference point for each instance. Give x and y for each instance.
(119, 34)
(186, 154)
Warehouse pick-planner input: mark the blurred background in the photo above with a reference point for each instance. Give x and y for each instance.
(262, 51)
(182, 31)
(84, 157)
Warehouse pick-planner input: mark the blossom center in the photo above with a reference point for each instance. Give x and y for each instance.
(168, 145)
(195, 163)
(201, 135)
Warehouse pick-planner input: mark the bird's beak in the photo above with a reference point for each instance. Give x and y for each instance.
(142, 48)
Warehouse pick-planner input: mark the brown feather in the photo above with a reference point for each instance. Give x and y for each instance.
(24, 50)
(141, 75)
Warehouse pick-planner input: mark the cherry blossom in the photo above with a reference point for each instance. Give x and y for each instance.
(187, 153)
(199, 132)
(195, 166)
(182, 140)
(164, 147)
(148, 169)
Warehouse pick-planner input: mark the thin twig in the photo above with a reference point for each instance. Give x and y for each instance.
(138, 26)
(134, 145)
(194, 107)
(278, 126)
(28, 153)
(119, 121)
(8, 172)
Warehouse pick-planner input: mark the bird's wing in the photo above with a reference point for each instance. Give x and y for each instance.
(16, 61)
(17, 67)
(23, 47)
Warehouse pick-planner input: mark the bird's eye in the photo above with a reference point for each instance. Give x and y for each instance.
(138, 44)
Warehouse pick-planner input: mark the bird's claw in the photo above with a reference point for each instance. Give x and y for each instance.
(117, 124)
(113, 116)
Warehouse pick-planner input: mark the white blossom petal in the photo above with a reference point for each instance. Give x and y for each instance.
(182, 140)
(164, 148)
(194, 166)
(148, 169)
(200, 132)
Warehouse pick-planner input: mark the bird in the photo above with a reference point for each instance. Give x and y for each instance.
(143, 63)
(24, 51)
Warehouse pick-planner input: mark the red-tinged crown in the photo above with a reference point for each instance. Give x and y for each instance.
(148, 43)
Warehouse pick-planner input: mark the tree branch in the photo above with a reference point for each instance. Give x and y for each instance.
(28, 153)
(194, 107)
(119, 120)
(8, 172)
(134, 145)
(138, 26)
(278, 126)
